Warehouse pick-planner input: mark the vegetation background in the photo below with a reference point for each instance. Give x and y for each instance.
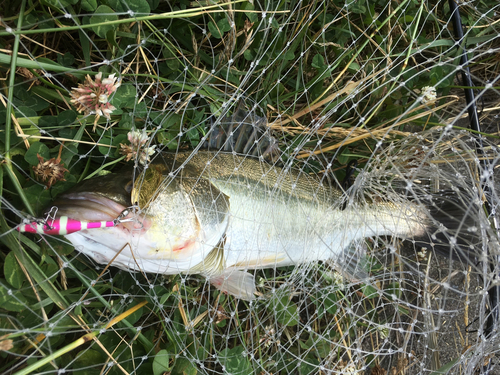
(334, 80)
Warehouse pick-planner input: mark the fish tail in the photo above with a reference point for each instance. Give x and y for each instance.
(455, 221)
(448, 223)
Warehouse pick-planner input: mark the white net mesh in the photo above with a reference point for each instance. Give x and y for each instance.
(323, 208)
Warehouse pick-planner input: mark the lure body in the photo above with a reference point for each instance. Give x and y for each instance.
(62, 225)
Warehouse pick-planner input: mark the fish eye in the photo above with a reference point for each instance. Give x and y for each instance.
(129, 187)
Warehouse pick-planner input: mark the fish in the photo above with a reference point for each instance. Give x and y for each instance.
(223, 214)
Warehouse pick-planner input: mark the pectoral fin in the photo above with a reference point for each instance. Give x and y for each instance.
(214, 262)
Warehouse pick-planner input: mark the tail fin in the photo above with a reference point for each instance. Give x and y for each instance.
(454, 228)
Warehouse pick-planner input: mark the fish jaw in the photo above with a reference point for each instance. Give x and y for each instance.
(122, 252)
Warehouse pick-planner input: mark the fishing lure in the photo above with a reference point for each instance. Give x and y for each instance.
(64, 225)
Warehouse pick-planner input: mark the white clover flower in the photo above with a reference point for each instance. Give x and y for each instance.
(422, 254)
(269, 337)
(428, 94)
(335, 278)
(137, 148)
(383, 331)
(91, 97)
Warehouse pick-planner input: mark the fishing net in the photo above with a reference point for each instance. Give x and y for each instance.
(367, 100)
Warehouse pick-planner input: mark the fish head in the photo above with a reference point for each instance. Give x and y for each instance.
(166, 224)
(175, 226)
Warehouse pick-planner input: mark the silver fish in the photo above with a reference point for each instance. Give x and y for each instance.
(221, 214)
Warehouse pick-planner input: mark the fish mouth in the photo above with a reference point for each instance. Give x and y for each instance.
(88, 207)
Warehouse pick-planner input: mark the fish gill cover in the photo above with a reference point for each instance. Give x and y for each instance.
(320, 149)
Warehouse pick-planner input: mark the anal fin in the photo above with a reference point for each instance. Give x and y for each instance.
(350, 262)
(239, 284)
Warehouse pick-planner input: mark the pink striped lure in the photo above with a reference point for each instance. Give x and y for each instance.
(63, 225)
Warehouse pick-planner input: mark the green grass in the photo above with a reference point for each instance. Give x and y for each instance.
(293, 71)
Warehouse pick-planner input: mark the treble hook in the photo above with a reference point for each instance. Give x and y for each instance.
(121, 217)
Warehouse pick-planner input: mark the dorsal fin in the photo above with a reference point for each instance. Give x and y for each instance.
(243, 132)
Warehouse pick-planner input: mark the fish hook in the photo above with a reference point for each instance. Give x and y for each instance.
(121, 217)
